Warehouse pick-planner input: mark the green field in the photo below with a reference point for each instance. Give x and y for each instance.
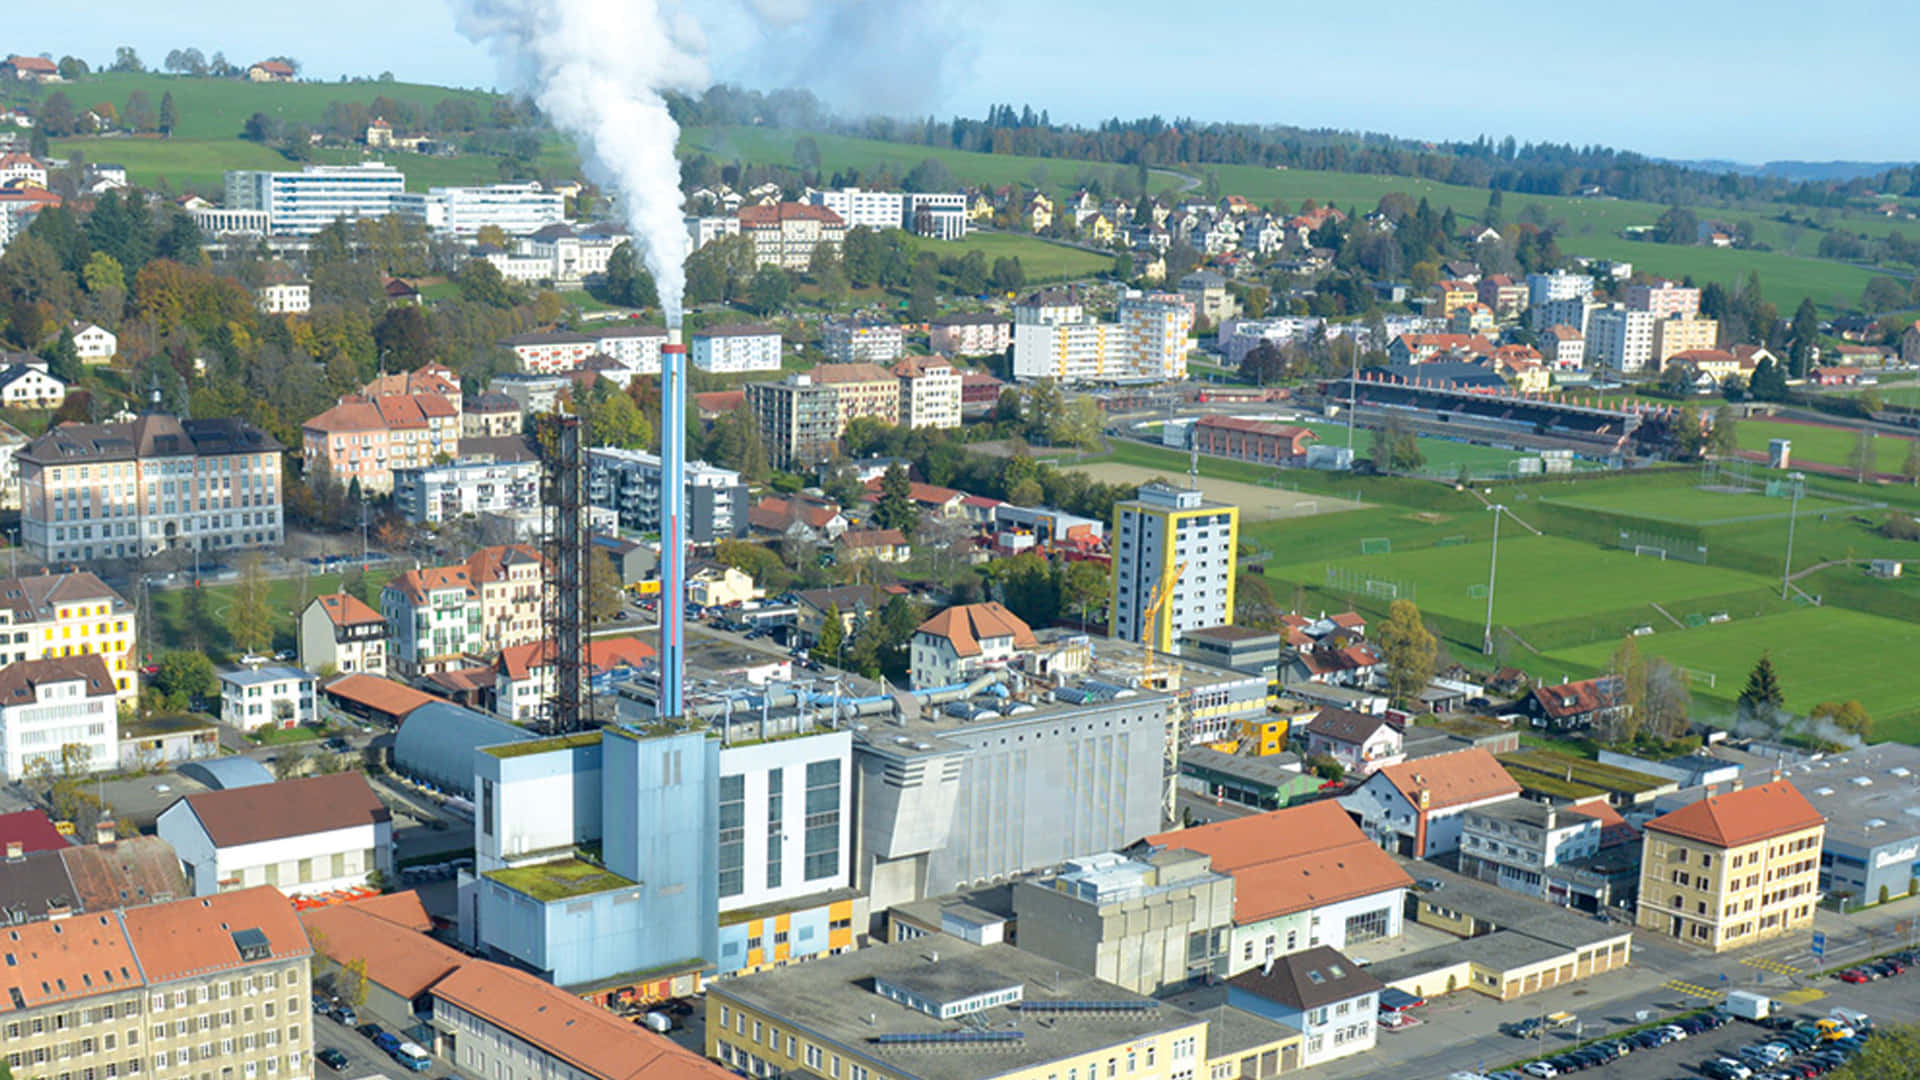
(1821, 654)
(1541, 578)
(1823, 445)
(1693, 506)
(1042, 260)
(218, 108)
(285, 599)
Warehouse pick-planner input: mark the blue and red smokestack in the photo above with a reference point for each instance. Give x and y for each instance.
(673, 535)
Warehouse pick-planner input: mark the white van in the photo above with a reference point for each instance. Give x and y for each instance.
(413, 1056)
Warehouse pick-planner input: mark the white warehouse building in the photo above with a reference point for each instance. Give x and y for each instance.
(309, 836)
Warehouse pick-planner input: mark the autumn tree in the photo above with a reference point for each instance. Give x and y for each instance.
(603, 580)
(251, 619)
(1849, 716)
(1410, 651)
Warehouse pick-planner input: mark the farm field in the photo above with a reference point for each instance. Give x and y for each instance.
(1821, 444)
(1042, 260)
(1693, 506)
(1821, 654)
(1256, 503)
(212, 108)
(1541, 578)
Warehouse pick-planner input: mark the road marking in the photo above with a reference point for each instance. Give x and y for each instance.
(1690, 988)
(1802, 997)
(1774, 966)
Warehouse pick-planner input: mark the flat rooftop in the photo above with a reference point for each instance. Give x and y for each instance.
(1274, 769)
(833, 1000)
(1507, 910)
(560, 880)
(1870, 796)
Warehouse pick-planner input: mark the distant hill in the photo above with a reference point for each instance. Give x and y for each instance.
(1798, 171)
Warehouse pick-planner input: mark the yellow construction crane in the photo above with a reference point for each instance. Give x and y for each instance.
(1150, 620)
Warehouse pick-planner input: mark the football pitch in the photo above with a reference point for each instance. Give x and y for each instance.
(1540, 579)
(1697, 506)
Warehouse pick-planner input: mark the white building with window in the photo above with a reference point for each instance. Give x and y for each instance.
(431, 494)
(268, 697)
(314, 835)
(1513, 843)
(740, 347)
(94, 344)
(1328, 998)
(1053, 338)
(284, 299)
(1620, 338)
(517, 209)
(28, 386)
(47, 706)
(302, 203)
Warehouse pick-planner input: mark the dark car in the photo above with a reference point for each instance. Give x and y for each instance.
(332, 1058)
(371, 1031)
(344, 1013)
(387, 1041)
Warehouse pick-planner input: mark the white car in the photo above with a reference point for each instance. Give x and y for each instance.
(1540, 1069)
(1673, 1032)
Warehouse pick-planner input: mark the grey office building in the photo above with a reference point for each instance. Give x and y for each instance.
(978, 790)
(628, 483)
(1871, 798)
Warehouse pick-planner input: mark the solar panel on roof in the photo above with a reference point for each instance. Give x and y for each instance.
(1088, 1006)
(945, 1038)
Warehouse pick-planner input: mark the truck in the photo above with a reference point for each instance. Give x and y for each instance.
(1750, 1006)
(1860, 1022)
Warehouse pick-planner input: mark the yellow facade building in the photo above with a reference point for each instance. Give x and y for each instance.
(71, 614)
(1732, 869)
(1166, 533)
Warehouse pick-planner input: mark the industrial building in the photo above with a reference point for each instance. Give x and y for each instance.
(1148, 924)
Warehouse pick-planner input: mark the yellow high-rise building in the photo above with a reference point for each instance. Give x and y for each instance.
(1160, 530)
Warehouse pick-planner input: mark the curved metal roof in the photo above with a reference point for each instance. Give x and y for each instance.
(436, 742)
(227, 773)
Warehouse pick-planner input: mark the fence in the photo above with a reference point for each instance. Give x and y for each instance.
(1664, 545)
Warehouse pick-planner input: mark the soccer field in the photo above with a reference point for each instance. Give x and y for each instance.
(1695, 506)
(1821, 654)
(1541, 579)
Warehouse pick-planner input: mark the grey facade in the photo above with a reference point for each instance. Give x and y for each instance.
(628, 483)
(1150, 925)
(970, 794)
(1873, 835)
(1237, 647)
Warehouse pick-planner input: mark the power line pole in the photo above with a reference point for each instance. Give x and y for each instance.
(1486, 636)
(1353, 402)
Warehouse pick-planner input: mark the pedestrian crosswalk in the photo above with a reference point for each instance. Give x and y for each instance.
(1691, 989)
(1775, 966)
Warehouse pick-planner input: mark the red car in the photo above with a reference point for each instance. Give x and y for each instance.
(1854, 975)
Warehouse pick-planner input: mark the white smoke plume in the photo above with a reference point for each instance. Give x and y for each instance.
(597, 68)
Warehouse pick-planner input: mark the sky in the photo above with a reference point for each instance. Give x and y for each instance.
(1754, 80)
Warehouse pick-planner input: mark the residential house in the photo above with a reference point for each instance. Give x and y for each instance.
(341, 633)
(524, 675)
(19, 170)
(1303, 877)
(976, 333)
(1361, 744)
(960, 642)
(1576, 706)
(427, 379)
(799, 516)
(1506, 297)
(490, 414)
(1330, 999)
(72, 614)
(735, 347)
(1454, 295)
(48, 706)
(931, 500)
(1474, 318)
(878, 545)
(979, 393)
(1678, 334)
(37, 69)
(1426, 348)
(270, 71)
(1513, 844)
(284, 298)
(275, 697)
(433, 618)
(712, 584)
(1418, 808)
(1565, 348)
(305, 837)
(1733, 869)
(29, 386)
(94, 344)
(854, 603)
(510, 583)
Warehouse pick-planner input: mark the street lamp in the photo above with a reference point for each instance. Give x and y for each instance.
(1486, 635)
(1793, 515)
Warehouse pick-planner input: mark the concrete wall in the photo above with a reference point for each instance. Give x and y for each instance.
(540, 802)
(1138, 943)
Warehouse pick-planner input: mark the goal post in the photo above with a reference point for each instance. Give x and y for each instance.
(1383, 590)
(1649, 550)
(1376, 545)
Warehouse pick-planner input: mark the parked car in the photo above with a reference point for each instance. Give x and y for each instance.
(1540, 1070)
(387, 1041)
(332, 1058)
(371, 1031)
(1725, 1069)
(1854, 975)
(345, 1013)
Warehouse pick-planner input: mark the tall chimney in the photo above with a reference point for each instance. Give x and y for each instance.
(673, 535)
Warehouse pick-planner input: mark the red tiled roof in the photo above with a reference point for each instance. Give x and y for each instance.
(234, 817)
(490, 564)
(831, 374)
(854, 539)
(38, 64)
(1256, 427)
(772, 217)
(274, 67)
(964, 625)
(400, 958)
(345, 609)
(1741, 817)
(71, 958)
(378, 694)
(1576, 698)
(603, 654)
(1291, 860)
(195, 936)
(778, 514)
(414, 585)
(720, 401)
(1451, 779)
(32, 829)
(924, 494)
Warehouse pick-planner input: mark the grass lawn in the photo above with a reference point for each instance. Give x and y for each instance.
(1818, 443)
(1445, 454)
(1900, 395)
(1042, 260)
(1821, 654)
(273, 736)
(218, 108)
(1541, 578)
(1693, 506)
(285, 598)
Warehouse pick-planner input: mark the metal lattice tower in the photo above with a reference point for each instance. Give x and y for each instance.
(563, 493)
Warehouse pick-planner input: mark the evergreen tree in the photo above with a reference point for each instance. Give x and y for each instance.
(1806, 336)
(895, 509)
(1762, 693)
(833, 634)
(169, 116)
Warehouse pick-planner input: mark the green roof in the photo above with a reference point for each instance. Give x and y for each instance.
(541, 746)
(560, 880)
(1554, 785)
(1608, 777)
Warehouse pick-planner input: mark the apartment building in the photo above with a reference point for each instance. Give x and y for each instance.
(741, 347)
(147, 486)
(1053, 338)
(440, 615)
(73, 614)
(702, 231)
(217, 986)
(929, 392)
(1160, 530)
(1674, 334)
(875, 210)
(1154, 331)
(510, 580)
(636, 345)
(1575, 312)
(1559, 285)
(430, 494)
(1514, 843)
(1620, 338)
(860, 390)
(1563, 348)
(342, 632)
(489, 414)
(277, 697)
(1664, 299)
(515, 208)
(786, 234)
(365, 440)
(57, 715)
(571, 256)
(546, 352)
(1732, 869)
(971, 334)
(426, 379)
(859, 341)
(799, 420)
(628, 483)
(305, 202)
